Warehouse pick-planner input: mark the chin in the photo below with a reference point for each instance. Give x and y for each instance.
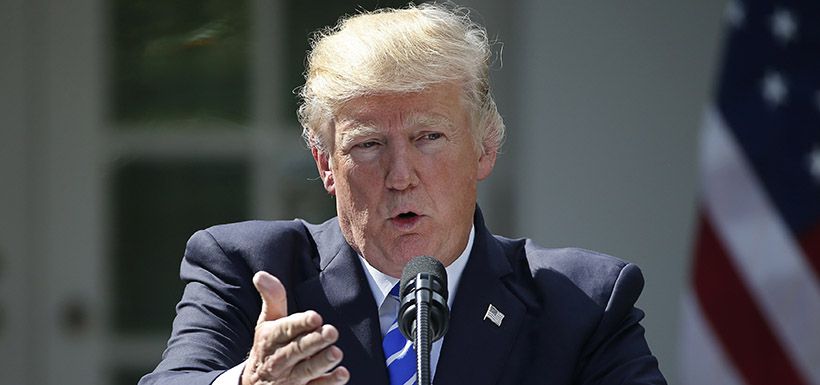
(407, 249)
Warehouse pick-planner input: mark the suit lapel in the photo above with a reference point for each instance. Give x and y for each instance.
(341, 294)
(475, 349)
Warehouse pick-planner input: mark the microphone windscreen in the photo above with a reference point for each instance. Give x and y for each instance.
(424, 264)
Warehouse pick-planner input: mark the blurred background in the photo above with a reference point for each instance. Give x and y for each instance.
(126, 125)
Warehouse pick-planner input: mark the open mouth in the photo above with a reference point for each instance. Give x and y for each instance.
(407, 215)
(406, 220)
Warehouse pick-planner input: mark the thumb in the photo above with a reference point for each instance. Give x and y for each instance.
(274, 297)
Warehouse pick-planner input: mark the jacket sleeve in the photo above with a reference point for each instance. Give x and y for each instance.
(214, 325)
(617, 352)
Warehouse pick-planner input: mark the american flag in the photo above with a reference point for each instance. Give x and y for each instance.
(752, 313)
(494, 315)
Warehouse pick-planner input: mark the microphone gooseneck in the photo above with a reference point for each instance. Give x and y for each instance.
(423, 314)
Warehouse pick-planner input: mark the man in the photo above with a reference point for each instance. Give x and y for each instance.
(398, 115)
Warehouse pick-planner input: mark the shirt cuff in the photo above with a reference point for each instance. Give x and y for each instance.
(232, 376)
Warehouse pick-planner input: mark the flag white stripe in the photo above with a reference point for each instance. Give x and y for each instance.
(702, 359)
(761, 247)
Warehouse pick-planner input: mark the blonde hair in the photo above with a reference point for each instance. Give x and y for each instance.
(398, 51)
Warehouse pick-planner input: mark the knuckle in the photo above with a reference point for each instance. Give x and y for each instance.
(272, 366)
(281, 332)
(299, 345)
(288, 354)
(306, 369)
(276, 360)
(265, 335)
(268, 365)
(289, 330)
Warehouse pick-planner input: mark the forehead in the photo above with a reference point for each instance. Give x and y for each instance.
(436, 106)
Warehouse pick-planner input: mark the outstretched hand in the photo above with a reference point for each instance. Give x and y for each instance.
(291, 349)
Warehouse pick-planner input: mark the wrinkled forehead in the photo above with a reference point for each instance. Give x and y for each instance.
(437, 105)
(369, 120)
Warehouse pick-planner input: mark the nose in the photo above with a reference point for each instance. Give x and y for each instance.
(401, 168)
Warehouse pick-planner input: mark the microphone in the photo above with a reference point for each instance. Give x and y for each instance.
(423, 314)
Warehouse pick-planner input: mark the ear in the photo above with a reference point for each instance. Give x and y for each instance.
(323, 165)
(486, 162)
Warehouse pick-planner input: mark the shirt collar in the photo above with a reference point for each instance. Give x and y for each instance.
(381, 283)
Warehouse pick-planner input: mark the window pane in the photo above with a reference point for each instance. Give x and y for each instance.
(302, 193)
(128, 375)
(180, 61)
(156, 207)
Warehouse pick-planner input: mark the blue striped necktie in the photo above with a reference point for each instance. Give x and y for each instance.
(399, 352)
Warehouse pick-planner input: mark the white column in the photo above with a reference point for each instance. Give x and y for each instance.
(67, 237)
(15, 299)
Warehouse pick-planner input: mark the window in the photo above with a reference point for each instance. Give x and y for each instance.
(201, 130)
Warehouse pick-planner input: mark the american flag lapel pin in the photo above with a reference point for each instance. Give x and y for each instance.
(494, 315)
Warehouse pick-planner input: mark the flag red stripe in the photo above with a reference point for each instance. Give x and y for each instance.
(734, 316)
(810, 243)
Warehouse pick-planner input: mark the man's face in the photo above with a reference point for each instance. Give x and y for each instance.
(404, 170)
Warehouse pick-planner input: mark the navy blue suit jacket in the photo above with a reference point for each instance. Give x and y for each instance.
(569, 313)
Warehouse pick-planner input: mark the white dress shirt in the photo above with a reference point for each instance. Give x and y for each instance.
(380, 285)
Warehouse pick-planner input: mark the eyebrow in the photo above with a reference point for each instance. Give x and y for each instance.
(358, 129)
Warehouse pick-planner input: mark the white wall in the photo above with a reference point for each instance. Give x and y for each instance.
(603, 112)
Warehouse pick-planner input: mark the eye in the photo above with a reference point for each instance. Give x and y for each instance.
(432, 136)
(368, 144)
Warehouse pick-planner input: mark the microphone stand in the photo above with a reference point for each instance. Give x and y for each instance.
(422, 340)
